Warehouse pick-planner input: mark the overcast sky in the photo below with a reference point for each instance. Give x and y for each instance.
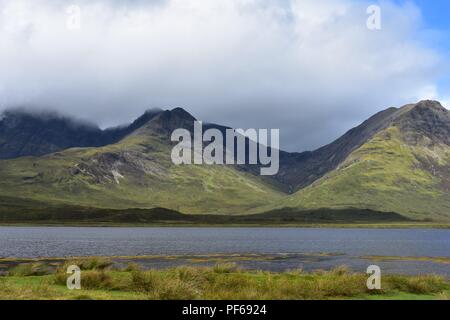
(311, 68)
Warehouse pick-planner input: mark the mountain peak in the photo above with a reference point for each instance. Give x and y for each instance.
(430, 104)
(165, 122)
(182, 113)
(426, 118)
(422, 109)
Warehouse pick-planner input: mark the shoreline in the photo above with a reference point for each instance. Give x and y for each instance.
(246, 261)
(406, 225)
(224, 256)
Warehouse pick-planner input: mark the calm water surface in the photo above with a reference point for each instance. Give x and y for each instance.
(349, 245)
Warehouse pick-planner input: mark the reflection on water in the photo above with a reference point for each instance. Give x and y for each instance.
(281, 248)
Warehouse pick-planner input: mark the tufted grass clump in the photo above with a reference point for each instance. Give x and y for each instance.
(94, 263)
(419, 284)
(29, 269)
(222, 281)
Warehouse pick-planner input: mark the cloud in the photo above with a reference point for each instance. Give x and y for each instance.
(310, 68)
(446, 103)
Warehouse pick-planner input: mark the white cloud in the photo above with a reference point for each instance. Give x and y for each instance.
(429, 92)
(446, 103)
(311, 68)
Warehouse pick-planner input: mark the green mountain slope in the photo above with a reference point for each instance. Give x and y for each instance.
(404, 168)
(397, 161)
(136, 172)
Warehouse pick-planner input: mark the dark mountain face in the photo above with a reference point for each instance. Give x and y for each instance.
(426, 119)
(165, 122)
(23, 134)
(26, 134)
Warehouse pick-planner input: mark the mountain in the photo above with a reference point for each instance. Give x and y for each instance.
(24, 133)
(399, 161)
(298, 170)
(137, 171)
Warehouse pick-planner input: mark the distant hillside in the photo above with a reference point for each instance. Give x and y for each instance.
(14, 210)
(135, 172)
(298, 170)
(404, 168)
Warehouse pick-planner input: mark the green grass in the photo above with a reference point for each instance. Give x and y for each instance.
(145, 178)
(29, 269)
(223, 281)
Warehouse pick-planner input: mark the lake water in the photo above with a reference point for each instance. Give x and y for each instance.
(285, 248)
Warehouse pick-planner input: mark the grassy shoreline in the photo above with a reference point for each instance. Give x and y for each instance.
(444, 260)
(99, 280)
(227, 257)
